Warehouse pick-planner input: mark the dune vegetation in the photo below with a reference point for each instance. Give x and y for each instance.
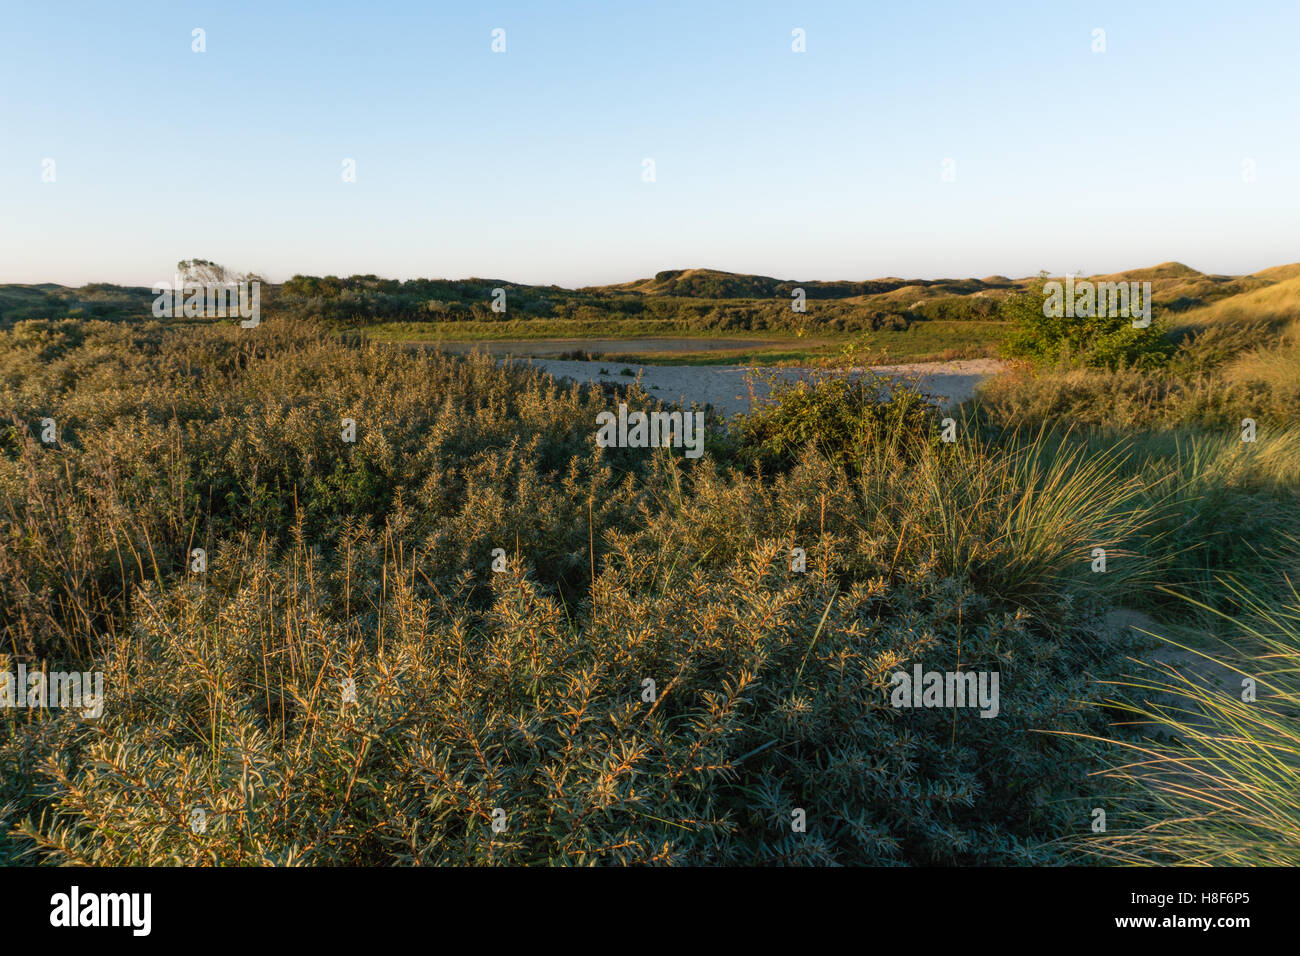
(461, 632)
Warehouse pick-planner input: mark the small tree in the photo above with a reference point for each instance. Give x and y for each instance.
(203, 272)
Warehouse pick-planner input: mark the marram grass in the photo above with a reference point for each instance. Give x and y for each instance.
(1215, 779)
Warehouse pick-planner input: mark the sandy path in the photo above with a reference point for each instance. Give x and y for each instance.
(727, 389)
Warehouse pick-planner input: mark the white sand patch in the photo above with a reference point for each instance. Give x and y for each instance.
(728, 387)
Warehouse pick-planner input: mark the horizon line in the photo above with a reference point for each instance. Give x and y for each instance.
(757, 275)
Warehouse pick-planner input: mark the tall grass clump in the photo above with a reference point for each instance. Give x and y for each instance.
(1213, 782)
(1212, 505)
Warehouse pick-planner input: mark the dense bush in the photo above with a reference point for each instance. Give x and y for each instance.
(523, 689)
(1097, 341)
(771, 695)
(842, 418)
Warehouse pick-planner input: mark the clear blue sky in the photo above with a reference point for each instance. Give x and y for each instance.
(527, 165)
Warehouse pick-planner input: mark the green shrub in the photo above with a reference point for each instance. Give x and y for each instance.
(1098, 341)
(838, 416)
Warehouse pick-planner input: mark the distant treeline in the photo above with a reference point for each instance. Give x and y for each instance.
(673, 283)
(683, 299)
(709, 284)
(98, 300)
(362, 300)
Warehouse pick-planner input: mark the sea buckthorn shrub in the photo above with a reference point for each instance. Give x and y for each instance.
(640, 674)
